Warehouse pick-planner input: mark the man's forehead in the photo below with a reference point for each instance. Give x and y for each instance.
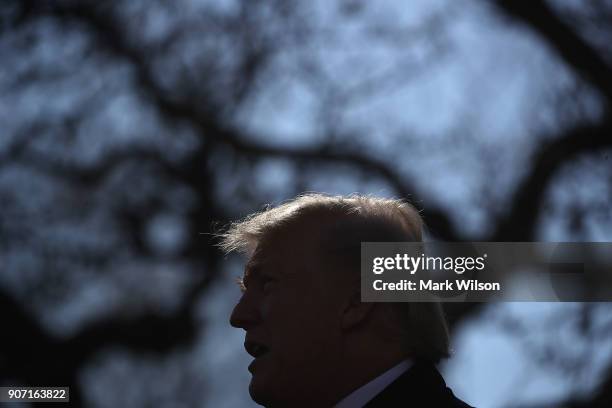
(253, 263)
(265, 256)
(286, 247)
(261, 258)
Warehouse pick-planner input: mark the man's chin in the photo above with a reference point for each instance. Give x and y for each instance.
(260, 393)
(265, 387)
(269, 389)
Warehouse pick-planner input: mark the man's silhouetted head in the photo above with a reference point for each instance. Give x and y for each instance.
(313, 339)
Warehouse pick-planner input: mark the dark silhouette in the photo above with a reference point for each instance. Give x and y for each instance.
(314, 342)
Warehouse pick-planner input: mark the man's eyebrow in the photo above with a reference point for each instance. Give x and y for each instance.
(252, 267)
(250, 271)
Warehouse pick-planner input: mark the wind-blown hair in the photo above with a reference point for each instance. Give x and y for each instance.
(356, 219)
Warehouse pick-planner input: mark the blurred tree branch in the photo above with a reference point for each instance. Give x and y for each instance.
(579, 55)
(209, 126)
(587, 63)
(526, 204)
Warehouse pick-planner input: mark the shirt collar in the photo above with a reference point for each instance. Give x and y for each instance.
(365, 393)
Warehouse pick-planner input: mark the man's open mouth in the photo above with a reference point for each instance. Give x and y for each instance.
(255, 349)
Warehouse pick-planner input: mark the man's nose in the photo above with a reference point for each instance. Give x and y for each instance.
(245, 315)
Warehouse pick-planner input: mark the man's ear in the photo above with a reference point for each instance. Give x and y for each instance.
(355, 311)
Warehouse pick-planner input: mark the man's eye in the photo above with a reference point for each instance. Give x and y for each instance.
(266, 283)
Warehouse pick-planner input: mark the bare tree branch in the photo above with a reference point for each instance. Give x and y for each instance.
(585, 60)
(110, 35)
(521, 220)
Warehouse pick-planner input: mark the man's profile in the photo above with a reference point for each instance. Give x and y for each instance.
(314, 343)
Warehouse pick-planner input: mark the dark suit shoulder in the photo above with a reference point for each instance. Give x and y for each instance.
(420, 386)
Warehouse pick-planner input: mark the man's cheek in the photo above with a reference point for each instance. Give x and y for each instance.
(271, 307)
(264, 310)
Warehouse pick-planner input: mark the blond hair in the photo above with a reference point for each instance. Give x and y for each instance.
(359, 218)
